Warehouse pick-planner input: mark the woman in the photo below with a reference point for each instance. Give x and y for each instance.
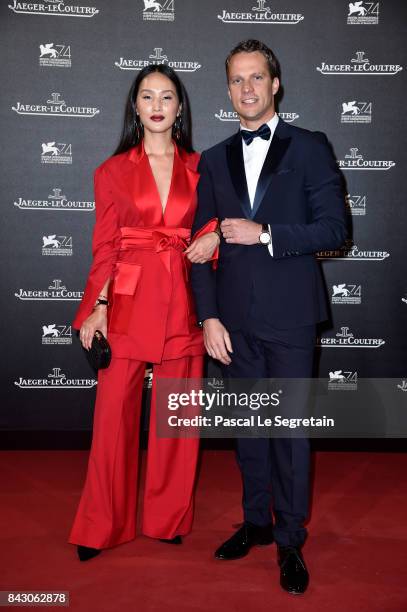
(137, 293)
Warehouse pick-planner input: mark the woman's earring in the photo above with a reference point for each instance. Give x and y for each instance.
(139, 127)
(177, 128)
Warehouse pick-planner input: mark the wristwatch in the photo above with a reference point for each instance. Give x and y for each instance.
(265, 235)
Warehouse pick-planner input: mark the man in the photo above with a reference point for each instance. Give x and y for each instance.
(278, 192)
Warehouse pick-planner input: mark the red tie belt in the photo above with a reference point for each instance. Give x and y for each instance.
(160, 239)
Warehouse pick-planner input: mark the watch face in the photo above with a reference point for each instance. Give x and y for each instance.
(264, 237)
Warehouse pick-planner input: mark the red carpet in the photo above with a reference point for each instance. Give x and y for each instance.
(356, 552)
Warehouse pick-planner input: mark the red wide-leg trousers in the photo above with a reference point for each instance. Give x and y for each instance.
(106, 515)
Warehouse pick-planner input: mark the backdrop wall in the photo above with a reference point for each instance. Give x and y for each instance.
(66, 70)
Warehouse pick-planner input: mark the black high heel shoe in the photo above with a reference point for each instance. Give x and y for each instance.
(176, 540)
(85, 553)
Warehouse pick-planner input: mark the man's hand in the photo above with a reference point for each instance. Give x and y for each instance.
(217, 340)
(240, 231)
(202, 249)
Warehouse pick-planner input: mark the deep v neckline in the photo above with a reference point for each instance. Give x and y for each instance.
(163, 209)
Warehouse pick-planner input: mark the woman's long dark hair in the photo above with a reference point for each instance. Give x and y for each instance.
(132, 132)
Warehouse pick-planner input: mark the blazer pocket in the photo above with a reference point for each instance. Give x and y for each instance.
(127, 278)
(123, 290)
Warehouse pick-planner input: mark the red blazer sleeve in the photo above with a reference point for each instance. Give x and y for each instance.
(210, 226)
(105, 245)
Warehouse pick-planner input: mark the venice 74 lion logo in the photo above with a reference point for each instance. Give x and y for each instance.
(158, 11)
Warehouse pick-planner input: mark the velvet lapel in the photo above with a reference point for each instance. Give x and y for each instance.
(237, 173)
(276, 152)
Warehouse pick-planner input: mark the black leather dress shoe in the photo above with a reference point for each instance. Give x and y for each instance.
(294, 575)
(85, 553)
(243, 540)
(175, 540)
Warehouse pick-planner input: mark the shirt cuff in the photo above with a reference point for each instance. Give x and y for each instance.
(270, 245)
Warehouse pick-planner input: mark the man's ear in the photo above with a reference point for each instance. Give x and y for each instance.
(275, 86)
(230, 97)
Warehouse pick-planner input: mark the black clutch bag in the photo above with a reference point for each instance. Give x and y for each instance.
(100, 353)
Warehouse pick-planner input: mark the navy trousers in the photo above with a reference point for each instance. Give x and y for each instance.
(275, 472)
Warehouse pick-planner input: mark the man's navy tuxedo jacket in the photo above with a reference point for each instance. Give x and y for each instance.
(299, 193)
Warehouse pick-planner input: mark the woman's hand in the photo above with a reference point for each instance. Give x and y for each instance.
(97, 320)
(202, 249)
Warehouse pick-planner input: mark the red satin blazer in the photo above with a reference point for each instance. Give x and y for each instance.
(151, 314)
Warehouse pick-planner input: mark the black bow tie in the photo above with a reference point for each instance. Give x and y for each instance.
(263, 132)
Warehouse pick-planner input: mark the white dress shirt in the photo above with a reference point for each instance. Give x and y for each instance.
(254, 156)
